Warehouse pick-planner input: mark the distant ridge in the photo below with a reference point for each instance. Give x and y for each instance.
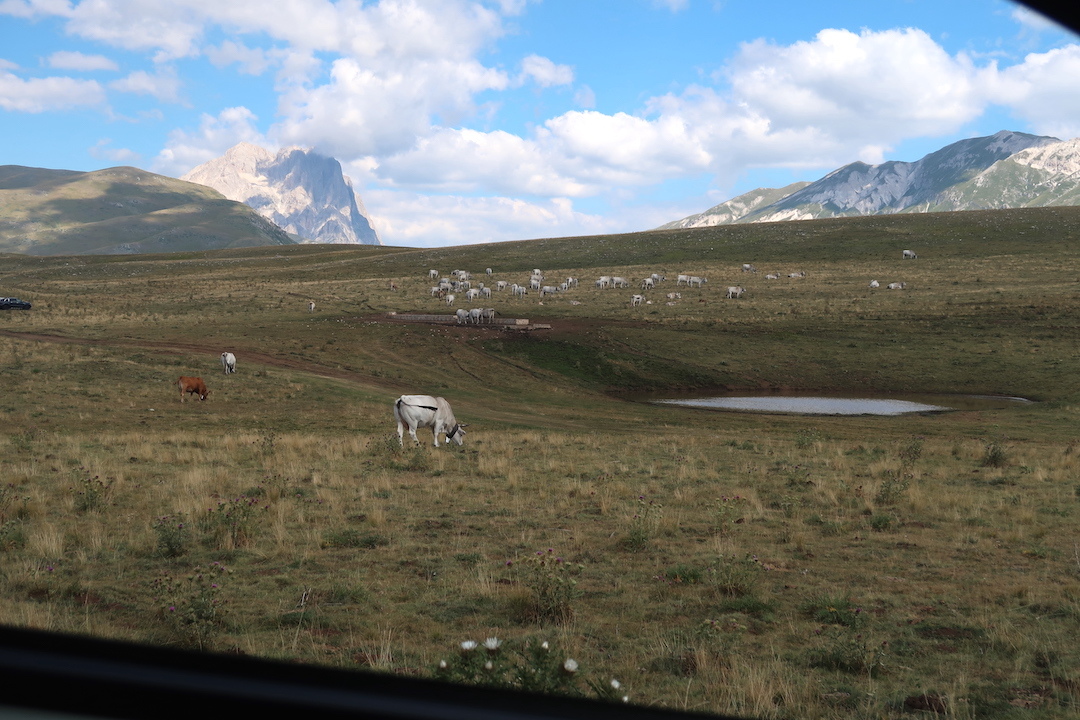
(299, 190)
(1004, 170)
(121, 210)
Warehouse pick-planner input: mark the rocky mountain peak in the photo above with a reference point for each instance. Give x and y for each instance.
(303, 192)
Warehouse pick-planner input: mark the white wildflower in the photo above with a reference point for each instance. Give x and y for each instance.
(468, 645)
(570, 666)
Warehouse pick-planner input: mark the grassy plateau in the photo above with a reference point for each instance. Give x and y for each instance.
(763, 565)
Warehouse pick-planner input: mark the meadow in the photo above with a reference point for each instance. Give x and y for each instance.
(767, 566)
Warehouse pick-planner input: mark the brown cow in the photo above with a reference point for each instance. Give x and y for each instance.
(191, 386)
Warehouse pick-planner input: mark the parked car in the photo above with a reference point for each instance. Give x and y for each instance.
(10, 303)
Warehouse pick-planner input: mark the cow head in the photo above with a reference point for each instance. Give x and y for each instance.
(456, 433)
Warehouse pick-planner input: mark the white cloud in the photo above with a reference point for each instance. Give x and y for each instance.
(544, 72)
(584, 97)
(1036, 21)
(163, 85)
(38, 95)
(252, 61)
(215, 135)
(68, 60)
(120, 156)
(434, 220)
(1044, 90)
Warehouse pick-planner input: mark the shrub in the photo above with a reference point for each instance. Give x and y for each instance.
(834, 611)
(172, 535)
(192, 607)
(643, 525)
(232, 523)
(995, 454)
(735, 576)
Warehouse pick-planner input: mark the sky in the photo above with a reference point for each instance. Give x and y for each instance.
(464, 122)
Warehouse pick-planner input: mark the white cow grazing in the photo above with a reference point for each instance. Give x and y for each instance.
(228, 361)
(417, 411)
(896, 286)
(734, 291)
(747, 267)
(462, 316)
(534, 283)
(875, 284)
(485, 292)
(682, 279)
(311, 306)
(488, 314)
(500, 285)
(472, 294)
(772, 276)
(603, 282)
(433, 274)
(636, 300)
(908, 255)
(450, 299)
(657, 277)
(487, 270)
(648, 284)
(548, 290)
(620, 282)
(519, 290)
(474, 315)
(695, 280)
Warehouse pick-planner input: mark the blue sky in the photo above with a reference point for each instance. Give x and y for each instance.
(463, 122)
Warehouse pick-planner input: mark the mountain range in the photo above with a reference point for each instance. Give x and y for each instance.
(299, 190)
(1004, 170)
(121, 210)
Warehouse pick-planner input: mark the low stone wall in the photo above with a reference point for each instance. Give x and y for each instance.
(452, 320)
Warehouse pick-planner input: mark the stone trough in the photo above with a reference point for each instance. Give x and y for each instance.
(498, 322)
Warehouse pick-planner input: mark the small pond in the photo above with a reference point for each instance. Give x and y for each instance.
(834, 405)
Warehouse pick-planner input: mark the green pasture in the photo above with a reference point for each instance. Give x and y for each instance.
(762, 565)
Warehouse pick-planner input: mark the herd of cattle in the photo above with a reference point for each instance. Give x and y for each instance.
(459, 283)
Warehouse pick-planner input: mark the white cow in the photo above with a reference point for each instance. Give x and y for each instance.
(548, 290)
(657, 277)
(735, 291)
(648, 284)
(228, 361)
(800, 274)
(472, 294)
(909, 255)
(450, 299)
(636, 300)
(474, 315)
(603, 282)
(311, 306)
(534, 283)
(485, 292)
(620, 282)
(896, 286)
(695, 280)
(747, 267)
(488, 271)
(875, 284)
(462, 316)
(500, 285)
(519, 290)
(433, 274)
(682, 279)
(772, 276)
(488, 314)
(417, 411)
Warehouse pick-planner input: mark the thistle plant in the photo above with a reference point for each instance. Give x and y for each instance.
(192, 607)
(730, 511)
(644, 524)
(736, 576)
(531, 666)
(552, 582)
(172, 534)
(232, 523)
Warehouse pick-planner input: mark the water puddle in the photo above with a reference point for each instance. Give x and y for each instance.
(823, 405)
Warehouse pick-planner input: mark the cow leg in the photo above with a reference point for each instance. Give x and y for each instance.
(412, 434)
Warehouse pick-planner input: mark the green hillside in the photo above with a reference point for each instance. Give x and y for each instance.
(120, 210)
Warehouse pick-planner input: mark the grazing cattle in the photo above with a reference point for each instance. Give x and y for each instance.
(657, 277)
(800, 274)
(648, 284)
(896, 286)
(619, 282)
(603, 282)
(572, 282)
(875, 284)
(695, 280)
(474, 315)
(636, 300)
(192, 386)
(228, 361)
(772, 276)
(417, 411)
(908, 255)
(433, 274)
(682, 279)
(488, 315)
(734, 291)
(747, 267)
(519, 290)
(500, 285)
(548, 290)
(534, 283)
(487, 270)
(485, 292)
(311, 306)
(472, 294)
(462, 316)
(450, 299)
